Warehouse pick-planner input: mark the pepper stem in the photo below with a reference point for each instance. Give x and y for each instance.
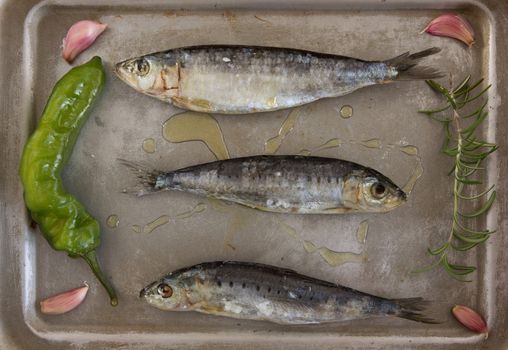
(91, 259)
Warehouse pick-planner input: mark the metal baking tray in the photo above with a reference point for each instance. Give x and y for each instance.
(30, 63)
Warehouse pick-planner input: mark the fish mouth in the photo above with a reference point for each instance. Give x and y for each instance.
(148, 290)
(118, 69)
(124, 75)
(121, 67)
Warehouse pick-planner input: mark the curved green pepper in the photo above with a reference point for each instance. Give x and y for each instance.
(61, 218)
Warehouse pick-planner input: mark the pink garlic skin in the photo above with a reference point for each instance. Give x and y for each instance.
(451, 25)
(64, 302)
(470, 319)
(80, 36)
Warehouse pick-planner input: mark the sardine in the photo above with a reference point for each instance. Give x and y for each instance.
(284, 184)
(261, 292)
(247, 79)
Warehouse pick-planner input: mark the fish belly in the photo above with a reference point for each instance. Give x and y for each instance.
(301, 194)
(257, 86)
(253, 292)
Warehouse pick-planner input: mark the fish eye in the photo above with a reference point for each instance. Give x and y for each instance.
(142, 66)
(164, 290)
(378, 190)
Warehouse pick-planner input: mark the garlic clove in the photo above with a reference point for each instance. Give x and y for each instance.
(451, 25)
(470, 319)
(64, 302)
(80, 36)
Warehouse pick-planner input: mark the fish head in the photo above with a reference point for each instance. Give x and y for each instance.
(168, 293)
(371, 191)
(152, 75)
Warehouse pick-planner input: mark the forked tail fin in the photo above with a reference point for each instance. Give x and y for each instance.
(147, 178)
(407, 66)
(413, 309)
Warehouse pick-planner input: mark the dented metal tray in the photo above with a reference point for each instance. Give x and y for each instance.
(30, 63)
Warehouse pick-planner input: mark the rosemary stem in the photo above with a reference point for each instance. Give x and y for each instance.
(456, 183)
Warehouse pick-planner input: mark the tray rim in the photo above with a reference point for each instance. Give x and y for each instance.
(9, 185)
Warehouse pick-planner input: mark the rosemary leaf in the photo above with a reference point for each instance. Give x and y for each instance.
(469, 88)
(439, 250)
(463, 85)
(483, 209)
(466, 101)
(477, 112)
(471, 128)
(469, 230)
(434, 111)
(478, 239)
(464, 247)
(468, 198)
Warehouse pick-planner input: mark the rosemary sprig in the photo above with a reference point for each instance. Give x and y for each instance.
(463, 143)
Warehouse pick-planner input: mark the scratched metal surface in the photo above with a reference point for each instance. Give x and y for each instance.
(122, 119)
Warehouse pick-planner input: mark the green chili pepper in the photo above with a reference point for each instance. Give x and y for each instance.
(61, 218)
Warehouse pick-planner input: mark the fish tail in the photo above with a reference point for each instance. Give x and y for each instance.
(147, 178)
(407, 66)
(413, 309)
